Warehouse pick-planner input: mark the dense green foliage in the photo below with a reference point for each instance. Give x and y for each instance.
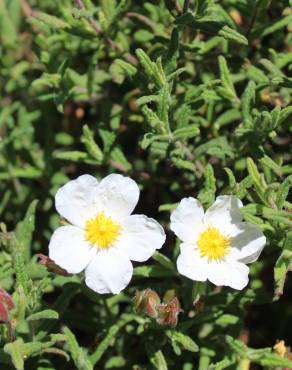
(187, 98)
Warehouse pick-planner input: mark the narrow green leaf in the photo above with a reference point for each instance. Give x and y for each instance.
(283, 191)
(164, 261)
(51, 20)
(43, 315)
(152, 271)
(247, 103)
(111, 334)
(283, 265)
(232, 35)
(14, 349)
(226, 76)
(158, 361)
(183, 340)
(77, 353)
(187, 132)
(128, 68)
(90, 144)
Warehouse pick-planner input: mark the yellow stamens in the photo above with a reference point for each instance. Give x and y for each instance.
(280, 348)
(213, 244)
(102, 230)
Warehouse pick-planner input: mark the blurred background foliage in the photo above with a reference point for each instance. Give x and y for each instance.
(189, 98)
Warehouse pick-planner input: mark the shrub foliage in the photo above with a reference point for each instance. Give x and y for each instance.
(189, 98)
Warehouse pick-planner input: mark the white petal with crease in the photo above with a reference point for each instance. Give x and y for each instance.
(109, 271)
(140, 237)
(186, 219)
(118, 195)
(75, 200)
(69, 249)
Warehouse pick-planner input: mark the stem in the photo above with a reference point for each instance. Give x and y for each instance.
(186, 6)
(130, 58)
(252, 21)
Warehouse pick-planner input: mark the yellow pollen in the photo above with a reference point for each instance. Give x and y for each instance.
(213, 244)
(102, 230)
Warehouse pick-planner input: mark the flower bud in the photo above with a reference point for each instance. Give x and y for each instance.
(51, 266)
(6, 304)
(168, 312)
(147, 302)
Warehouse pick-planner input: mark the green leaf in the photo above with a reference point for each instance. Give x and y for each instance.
(164, 261)
(163, 104)
(118, 158)
(237, 346)
(43, 315)
(25, 229)
(257, 179)
(75, 156)
(226, 76)
(51, 20)
(152, 271)
(151, 69)
(14, 350)
(247, 102)
(172, 52)
(283, 191)
(111, 334)
(268, 162)
(207, 193)
(90, 144)
(232, 35)
(271, 27)
(158, 361)
(283, 265)
(77, 353)
(128, 68)
(274, 360)
(187, 132)
(182, 340)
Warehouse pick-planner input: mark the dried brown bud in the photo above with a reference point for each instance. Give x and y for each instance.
(236, 16)
(51, 266)
(6, 304)
(147, 302)
(168, 312)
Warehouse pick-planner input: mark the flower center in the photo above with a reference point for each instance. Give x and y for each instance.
(213, 244)
(102, 230)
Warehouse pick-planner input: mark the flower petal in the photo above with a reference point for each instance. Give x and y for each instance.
(224, 213)
(186, 219)
(109, 271)
(229, 273)
(118, 195)
(248, 243)
(75, 200)
(69, 249)
(191, 264)
(140, 237)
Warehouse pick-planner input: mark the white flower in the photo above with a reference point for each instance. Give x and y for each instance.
(216, 245)
(103, 236)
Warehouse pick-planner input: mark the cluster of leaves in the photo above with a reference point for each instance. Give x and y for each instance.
(186, 97)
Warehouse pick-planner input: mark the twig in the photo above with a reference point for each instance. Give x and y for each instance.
(186, 6)
(252, 22)
(178, 7)
(92, 21)
(114, 45)
(26, 8)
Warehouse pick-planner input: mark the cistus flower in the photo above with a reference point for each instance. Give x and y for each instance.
(103, 236)
(216, 245)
